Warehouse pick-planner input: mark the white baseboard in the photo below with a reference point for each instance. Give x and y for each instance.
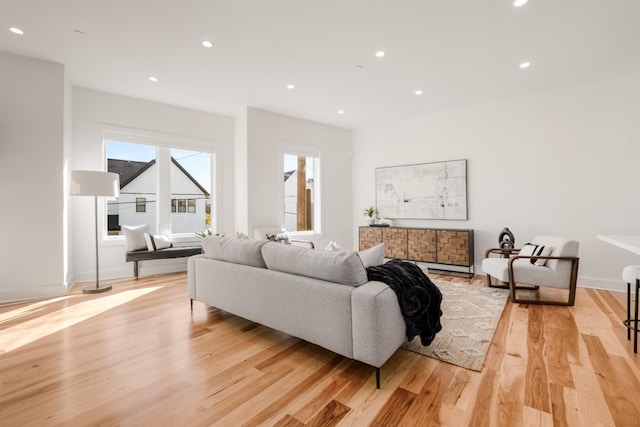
(145, 268)
(603, 284)
(31, 293)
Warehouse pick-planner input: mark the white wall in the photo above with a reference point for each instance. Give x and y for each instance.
(93, 112)
(31, 178)
(563, 163)
(267, 136)
(241, 186)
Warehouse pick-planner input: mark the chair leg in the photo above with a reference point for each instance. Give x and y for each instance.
(635, 321)
(628, 311)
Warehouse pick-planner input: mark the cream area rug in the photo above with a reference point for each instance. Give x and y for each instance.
(470, 315)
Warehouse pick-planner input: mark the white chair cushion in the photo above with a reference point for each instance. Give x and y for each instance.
(631, 273)
(524, 272)
(496, 267)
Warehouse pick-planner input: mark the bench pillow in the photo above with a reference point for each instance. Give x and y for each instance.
(237, 251)
(134, 235)
(157, 242)
(342, 267)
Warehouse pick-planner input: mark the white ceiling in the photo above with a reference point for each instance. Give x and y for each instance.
(460, 53)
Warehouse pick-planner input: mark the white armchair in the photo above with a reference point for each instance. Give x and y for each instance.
(548, 262)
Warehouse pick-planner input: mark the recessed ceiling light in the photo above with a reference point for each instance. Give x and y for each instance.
(380, 54)
(15, 30)
(418, 92)
(207, 43)
(519, 3)
(291, 87)
(525, 65)
(154, 79)
(340, 112)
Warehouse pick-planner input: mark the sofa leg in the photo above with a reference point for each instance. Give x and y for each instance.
(191, 304)
(377, 377)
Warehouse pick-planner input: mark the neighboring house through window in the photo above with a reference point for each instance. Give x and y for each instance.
(141, 204)
(159, 183)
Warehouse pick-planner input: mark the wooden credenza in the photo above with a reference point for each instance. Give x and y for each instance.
(430, 245)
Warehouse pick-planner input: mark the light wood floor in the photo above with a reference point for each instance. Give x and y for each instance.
(138, 356)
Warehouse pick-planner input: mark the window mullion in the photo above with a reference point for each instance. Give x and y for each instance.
(163, 197)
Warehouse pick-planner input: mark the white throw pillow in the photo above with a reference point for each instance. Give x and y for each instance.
(535, 250)
(159, 241)
(149, 240)
(373, 256)
(134, 234)
(241, 235)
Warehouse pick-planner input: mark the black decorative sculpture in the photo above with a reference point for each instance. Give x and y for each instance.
(506, 239)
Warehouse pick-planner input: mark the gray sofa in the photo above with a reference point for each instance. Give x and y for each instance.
(322, 297)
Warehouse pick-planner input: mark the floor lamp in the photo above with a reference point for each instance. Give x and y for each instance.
(95, 183)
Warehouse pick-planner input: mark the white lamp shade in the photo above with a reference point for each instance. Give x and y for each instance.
(95, 183)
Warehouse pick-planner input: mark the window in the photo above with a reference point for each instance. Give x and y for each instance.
(301, 191)
(178, 205)
(189, 169)
(141, 204)
(166, 187)
(136, 165)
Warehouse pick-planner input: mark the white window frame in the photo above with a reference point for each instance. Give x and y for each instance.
(318, 219)
(163, 143)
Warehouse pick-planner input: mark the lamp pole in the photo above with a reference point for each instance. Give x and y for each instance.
(97, 288)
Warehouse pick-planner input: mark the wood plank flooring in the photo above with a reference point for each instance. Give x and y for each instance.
(137, 356)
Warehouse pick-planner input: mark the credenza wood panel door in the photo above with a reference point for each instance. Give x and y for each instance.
(395, 242)
(453, 247)
(369, 237)
(422, 244)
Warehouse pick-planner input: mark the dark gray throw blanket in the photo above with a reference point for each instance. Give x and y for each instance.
(419, 298)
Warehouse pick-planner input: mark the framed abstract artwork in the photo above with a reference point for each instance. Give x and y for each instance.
(423, 191)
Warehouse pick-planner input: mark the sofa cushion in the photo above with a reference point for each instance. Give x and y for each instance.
(340, 267)
(238, 251)
(373, 256)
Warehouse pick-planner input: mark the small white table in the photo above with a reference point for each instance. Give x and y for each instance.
(624, 241)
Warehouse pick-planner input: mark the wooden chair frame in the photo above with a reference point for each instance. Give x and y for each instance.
(513, 286)
(572, 280)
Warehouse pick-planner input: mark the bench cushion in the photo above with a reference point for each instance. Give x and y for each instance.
(174, 252)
